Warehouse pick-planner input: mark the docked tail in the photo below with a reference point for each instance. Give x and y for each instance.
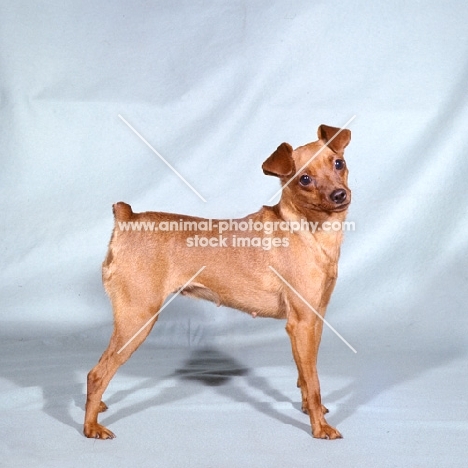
(122, 211)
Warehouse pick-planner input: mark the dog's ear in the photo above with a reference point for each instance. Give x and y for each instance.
(280, 163)
(335, 138)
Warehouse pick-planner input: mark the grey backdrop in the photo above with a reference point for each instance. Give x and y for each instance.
(215, 87)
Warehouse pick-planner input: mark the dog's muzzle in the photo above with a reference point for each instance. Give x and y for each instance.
(338, 196)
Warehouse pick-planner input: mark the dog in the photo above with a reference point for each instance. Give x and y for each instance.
(289, 277)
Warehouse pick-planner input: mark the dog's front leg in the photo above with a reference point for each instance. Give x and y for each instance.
(305, 331)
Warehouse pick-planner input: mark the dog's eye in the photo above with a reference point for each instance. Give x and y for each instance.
(305, 179)
(339, 164)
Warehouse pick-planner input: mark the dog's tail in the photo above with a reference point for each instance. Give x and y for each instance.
(122, 211)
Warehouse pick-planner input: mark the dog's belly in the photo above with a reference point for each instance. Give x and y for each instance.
(255, 302)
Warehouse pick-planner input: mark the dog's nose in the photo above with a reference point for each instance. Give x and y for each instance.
(338, 196)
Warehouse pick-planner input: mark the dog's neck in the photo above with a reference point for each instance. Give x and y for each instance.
(329, 241)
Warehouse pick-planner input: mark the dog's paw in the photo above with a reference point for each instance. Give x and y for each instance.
(96, 431)
(102, 407)
(325, 431)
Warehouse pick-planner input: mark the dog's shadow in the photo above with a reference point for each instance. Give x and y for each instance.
(208, 367)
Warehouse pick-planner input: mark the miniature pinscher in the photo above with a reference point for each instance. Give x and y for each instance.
(287, 271)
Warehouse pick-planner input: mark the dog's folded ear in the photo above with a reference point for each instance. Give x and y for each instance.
(336, 139)
(280, 163)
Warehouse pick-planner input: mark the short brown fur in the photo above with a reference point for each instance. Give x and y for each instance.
(143, 267)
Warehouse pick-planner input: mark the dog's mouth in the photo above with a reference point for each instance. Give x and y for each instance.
(327, 207)
(342, 207)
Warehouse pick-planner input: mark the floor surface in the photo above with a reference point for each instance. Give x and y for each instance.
(206, 406)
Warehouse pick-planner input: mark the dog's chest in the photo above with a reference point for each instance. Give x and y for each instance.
(321, 249)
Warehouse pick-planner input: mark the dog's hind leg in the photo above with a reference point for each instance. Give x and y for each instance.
(132, 324)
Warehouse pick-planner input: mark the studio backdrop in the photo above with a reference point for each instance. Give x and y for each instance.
(174, 106)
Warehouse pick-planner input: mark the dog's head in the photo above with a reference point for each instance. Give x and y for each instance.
(314, 176)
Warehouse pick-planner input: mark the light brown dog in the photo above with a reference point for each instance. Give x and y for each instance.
(267, 272)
